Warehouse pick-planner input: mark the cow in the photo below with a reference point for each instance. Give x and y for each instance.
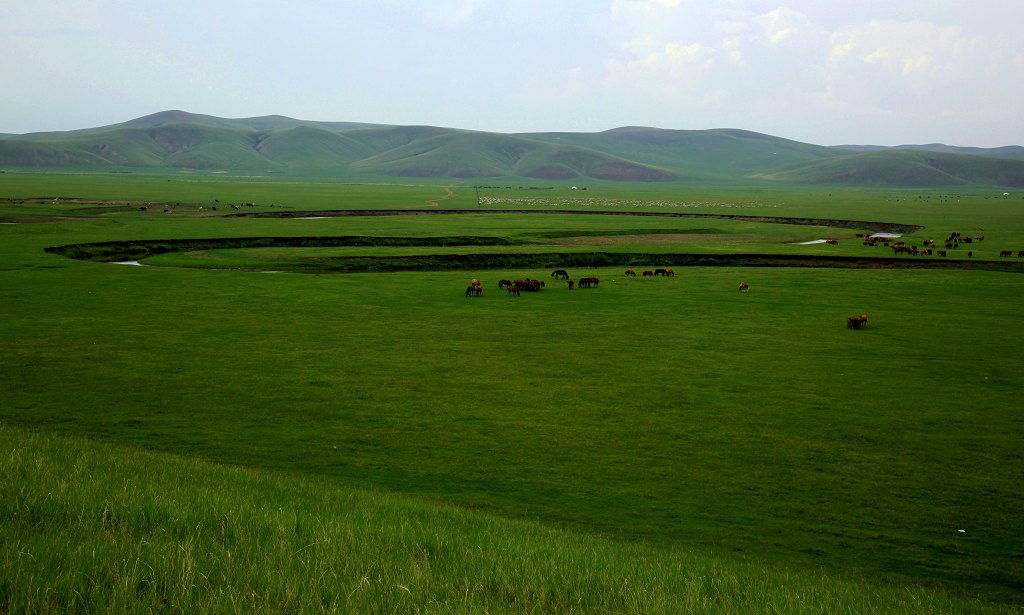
(630, 273)
(857, 322)
(560, 273)
(744, 287)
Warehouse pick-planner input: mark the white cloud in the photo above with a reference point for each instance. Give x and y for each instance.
(909, 48)
(456, 13)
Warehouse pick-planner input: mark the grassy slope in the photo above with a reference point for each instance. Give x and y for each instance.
(697, 443)
(99, 528)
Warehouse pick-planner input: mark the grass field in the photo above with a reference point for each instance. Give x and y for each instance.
(671, 427)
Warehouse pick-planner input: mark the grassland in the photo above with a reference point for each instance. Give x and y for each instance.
(647, 446)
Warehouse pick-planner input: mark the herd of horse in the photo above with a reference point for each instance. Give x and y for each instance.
(515, 287)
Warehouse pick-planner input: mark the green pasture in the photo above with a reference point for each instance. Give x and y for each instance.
(668, 413)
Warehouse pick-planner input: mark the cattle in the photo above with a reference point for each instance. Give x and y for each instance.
(857, 322)
(588, 282)
(648, 273)
(744, 287)
(630, 273)
(560, 273)
(663, 272)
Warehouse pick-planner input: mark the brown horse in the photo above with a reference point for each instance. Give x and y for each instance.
(474, 289)
(512, 289)
(857, 322)
(744, 287)
(630, 273)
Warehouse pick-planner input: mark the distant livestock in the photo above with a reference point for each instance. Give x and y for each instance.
(744, 287)
(630, 273)
(560, 273)
(857, 322)
(588, 282)
(663, 272)
(648, 273)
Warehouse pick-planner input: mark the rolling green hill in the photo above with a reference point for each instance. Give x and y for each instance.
(177, 140)
(908, 168)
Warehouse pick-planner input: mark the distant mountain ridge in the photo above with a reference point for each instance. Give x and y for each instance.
(275, 144)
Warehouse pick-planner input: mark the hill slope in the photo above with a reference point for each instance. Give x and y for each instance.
(278, 144)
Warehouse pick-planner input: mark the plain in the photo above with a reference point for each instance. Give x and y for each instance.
(674, 413)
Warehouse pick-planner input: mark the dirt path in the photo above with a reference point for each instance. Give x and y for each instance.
(447, 195)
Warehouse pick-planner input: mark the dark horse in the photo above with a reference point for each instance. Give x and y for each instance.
(560, 273)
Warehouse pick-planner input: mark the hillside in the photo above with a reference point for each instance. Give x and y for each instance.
(177, 140)
(908, 168)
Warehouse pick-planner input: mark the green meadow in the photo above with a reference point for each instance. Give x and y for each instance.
(245, 429)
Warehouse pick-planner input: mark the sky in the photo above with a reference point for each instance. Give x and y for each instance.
(827, 72)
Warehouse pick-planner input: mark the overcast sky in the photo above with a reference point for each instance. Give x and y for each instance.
(828, 72)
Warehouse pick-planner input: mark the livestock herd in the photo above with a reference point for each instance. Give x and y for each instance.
(516, 287)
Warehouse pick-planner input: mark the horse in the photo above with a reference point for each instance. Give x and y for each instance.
(512, 289)
(630, 273)
(504, 283)
(474, 289)
(857, 322)
(648, 273)
(570, 284)
(663, 272)
(744, 287)
(560, 273)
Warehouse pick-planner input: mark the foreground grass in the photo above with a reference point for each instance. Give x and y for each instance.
(99, 528)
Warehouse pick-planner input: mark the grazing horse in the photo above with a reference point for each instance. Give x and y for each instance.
(1005, 253)
(832, 242)
(857, 322)
(630, 273)
(560, 273)
(474, 289)
(588, 282)
(570, 284)
(744, 287)
(504, 283)
(512, 289)
(648, 273)
(664, 272)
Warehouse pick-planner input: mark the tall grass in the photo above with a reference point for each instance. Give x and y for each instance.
(101, 528)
